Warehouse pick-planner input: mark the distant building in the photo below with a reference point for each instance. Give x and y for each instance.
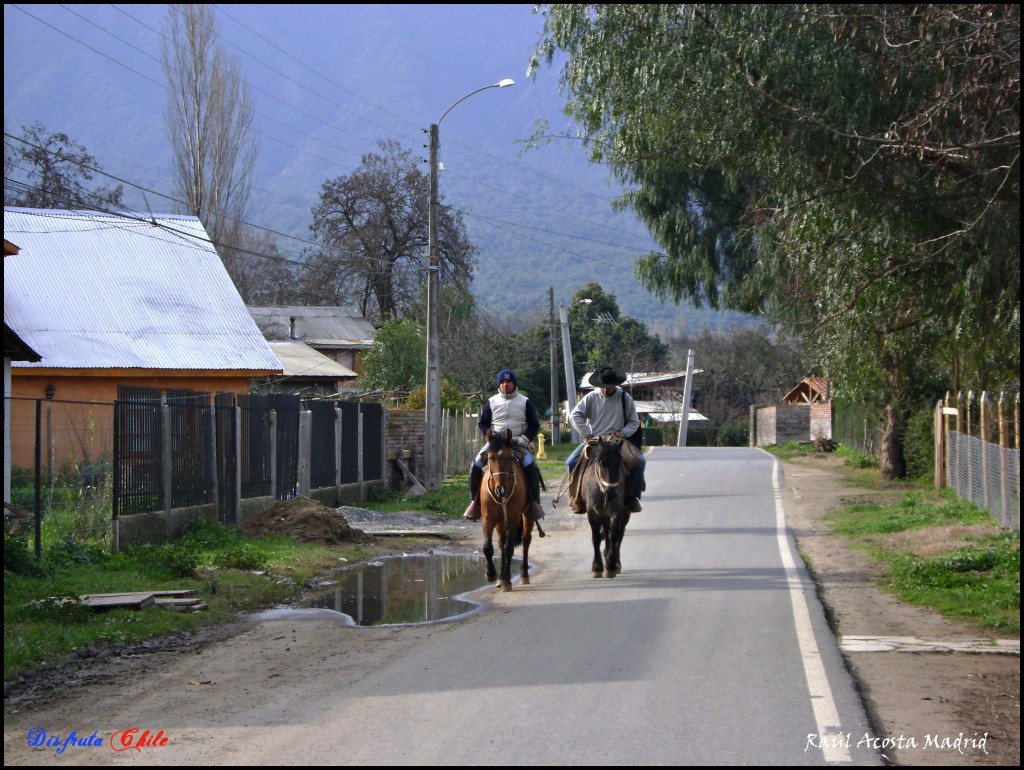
(658, 395)
(340, 334)
(109, 300)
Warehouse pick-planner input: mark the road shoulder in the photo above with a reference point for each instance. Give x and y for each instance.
(928, 707)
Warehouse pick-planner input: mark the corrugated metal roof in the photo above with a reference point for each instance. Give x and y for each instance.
(321, 327)
(300, 360)
(102, 291)
(636, 379)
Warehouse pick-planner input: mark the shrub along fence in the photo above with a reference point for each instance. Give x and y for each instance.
(977, 452)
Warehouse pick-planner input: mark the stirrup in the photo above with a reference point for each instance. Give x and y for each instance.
(634, 506)
(536, 511)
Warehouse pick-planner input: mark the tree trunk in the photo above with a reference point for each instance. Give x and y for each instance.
(893, 461)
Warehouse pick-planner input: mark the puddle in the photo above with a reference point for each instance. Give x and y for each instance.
(398, 590)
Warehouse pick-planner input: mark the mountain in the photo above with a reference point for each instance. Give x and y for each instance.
(331, 81)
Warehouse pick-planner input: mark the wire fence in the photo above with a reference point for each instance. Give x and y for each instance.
(857, 427)
(59, 463)
(986, 475)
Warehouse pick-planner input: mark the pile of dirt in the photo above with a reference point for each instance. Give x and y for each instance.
(305, 520)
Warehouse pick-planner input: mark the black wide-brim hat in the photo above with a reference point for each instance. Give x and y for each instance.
(606, 377)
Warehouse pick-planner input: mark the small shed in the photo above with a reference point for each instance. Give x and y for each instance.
(804, 415)
(810, 390)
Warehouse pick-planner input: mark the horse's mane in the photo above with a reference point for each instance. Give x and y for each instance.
(498, 441)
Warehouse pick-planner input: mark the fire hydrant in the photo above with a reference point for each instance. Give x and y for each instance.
(540, 447)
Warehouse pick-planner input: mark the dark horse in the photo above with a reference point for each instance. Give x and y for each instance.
(603, 488)
(505, 507)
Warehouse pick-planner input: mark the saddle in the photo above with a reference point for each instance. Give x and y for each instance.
(629, 461)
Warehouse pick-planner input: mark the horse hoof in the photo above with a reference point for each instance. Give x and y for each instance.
(597, 573)
(610, 574)
(504, 587)
(525, 580)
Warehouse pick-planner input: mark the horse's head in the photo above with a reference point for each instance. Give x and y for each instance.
(604, 456)
(609, 455)
(501, 462)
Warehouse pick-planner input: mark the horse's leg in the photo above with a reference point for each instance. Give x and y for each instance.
(507, 544)
(596, 536)
(490, 573)
(613, 566)
(524, 571)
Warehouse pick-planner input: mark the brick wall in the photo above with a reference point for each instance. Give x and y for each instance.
(407, 429)
(782, 423)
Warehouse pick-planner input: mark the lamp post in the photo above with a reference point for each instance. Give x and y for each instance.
(432, 474)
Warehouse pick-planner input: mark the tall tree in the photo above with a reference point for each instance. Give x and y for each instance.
(52, 171)
(210, 125)
(851, 171)
(371, 228)
(602, 336)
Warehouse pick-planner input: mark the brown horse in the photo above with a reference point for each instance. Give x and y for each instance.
(603, 487)
(505, 507)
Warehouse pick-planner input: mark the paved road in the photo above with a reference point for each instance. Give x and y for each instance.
(709, 648)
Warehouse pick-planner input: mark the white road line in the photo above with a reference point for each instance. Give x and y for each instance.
(831, 734)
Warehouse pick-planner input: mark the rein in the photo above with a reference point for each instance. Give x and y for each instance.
(598, 471)
(504, 501)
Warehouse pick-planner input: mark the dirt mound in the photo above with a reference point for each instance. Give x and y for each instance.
(305, 520)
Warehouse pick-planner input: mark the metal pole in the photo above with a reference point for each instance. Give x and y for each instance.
(432, 460)
(684, 415)
(556, 422)
(570, 374)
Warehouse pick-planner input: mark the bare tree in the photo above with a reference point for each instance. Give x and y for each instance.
(52, 171)
(370, 227)
(209, 122)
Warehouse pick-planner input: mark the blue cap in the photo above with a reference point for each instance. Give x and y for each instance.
(507, 374)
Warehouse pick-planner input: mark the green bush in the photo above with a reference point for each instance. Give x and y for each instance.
(241, 556)
(654, 437)
(19, 559)
(857, 459)
(919, 444)
(205, 534)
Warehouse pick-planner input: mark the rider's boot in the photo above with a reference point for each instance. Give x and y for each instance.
(532, 473)
(476, 475)
(636, 481)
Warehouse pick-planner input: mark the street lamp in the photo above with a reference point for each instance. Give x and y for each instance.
(432, 474)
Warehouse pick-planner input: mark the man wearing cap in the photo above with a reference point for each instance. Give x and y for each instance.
(609, 409)
(507, 409)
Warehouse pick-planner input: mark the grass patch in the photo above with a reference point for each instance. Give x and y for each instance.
(450, 500)
(979, 583)
(914, 511)
(940, 552)
(44, 623)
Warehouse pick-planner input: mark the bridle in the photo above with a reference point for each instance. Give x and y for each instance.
(600, 472)
(506, 462)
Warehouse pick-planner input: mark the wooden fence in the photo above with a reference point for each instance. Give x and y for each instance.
(977, 452)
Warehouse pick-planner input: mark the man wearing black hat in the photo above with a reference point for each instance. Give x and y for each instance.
(507, 409)
(609, 409)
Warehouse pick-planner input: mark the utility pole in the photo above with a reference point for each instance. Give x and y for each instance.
(684, 416)
(570, 374)
(432, 476)
(556, 405)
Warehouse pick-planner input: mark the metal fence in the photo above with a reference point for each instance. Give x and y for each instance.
(858, 427)
(60, 466)
(73, 467)
(986, 475)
